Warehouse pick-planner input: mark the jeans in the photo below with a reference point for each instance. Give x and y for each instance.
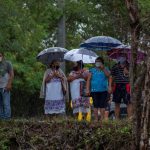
(5, 108)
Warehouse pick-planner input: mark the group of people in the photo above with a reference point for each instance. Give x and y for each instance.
(97, 82)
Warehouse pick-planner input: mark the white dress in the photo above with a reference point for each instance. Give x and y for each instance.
(79, 103)
(54, 98)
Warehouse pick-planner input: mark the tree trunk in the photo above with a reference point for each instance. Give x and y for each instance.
(145, 121)
(61, 32)
(141, 109)
(132, 7)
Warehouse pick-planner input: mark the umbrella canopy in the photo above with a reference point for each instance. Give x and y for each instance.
(124, 50)
(85, 55)
(52, 53)
(101, 43)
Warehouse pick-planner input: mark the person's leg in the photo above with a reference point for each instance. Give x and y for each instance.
(117, 110)
(106, 115)
(117, 97)
(129, 110)
(127, 101)
(95, 104)
(103, 103)
(107, 109)
(96, 114)
(7, 107)
(1, 105)
(102, 111)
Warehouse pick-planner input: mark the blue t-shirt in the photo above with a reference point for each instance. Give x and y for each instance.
(99, 81)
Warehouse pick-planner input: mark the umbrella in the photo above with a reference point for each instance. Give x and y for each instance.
(101, 43)
(124, 50)
(49, 54)
(85, 55)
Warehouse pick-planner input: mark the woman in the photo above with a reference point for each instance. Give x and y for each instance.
(76, 78)
(54, 89)
(97, 87)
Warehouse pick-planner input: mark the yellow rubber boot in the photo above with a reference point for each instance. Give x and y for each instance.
(80, 117)
(91, 101)
(88, 117)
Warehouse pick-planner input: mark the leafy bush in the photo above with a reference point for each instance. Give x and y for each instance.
(65, 134)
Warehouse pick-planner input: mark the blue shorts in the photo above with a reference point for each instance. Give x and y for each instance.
(99, 99)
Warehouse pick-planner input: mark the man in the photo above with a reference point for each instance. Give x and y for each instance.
(6, 78)
(120, 75)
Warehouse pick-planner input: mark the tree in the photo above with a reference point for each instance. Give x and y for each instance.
(141, 117)
(61, 34)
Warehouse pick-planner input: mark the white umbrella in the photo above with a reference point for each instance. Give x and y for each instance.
(85, 55)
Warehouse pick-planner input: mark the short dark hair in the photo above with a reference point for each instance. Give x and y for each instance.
(101, 59)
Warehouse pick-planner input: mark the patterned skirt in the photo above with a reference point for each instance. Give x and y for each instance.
(81, 104)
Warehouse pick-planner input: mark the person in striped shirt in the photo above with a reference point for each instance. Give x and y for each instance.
(121, 86)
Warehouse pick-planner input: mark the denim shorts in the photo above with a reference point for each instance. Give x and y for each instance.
(99, 99)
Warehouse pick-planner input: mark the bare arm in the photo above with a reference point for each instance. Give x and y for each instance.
(108, 75)
(107, 72)
(88, 84)
(85, 74)
(11, 77)
(110, 80)
(71, 78)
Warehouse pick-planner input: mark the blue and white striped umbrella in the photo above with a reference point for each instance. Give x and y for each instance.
(85, 55)
(101, 43)
(52, 53)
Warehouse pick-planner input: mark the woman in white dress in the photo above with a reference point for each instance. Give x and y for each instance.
(79, 102)
(54, 89)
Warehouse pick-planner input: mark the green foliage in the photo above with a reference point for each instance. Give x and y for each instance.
(91, 18)
(144, 6)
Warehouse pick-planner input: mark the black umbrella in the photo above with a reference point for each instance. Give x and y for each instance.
(101, 43)
(52, 53)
